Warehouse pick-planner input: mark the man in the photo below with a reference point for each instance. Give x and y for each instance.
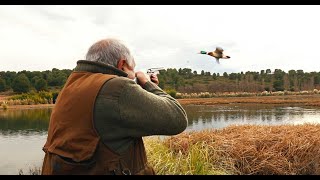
(101, 115)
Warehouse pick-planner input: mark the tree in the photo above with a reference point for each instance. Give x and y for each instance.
(278, 85)
(233, 76)
(225, 74)
(34, 80)
(57, 78)
(286, 82)
(194, 72)
(21, 84)
(278, 74)
(202, 72)
(9, 77)
(214, 76)
(41, 84)
(2, 85)
(207, 74)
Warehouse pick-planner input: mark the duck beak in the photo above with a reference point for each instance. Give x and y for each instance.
(228, 57)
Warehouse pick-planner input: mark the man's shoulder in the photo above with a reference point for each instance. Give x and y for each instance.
(120, 80)
(117, 83)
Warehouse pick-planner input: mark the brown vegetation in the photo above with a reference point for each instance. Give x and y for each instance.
(252, 149)
(288, 99)
(311, 100)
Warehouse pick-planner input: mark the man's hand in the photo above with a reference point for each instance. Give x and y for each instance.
(154, 79)
(143, 78)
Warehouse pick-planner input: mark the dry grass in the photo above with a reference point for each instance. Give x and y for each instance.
(243, 94)
(32, 171)
(252, 149)
(236, 150)
(288, 99)
(309, 100)
(166, 161)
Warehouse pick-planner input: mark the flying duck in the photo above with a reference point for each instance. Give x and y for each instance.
(218, 54)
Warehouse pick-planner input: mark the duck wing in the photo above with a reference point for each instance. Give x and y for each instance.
(218, 50)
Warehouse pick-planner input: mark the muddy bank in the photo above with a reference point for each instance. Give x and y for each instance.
(36, 106)
(309, 100)
(313, 100)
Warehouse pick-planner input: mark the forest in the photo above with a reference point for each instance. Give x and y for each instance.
(181, 80)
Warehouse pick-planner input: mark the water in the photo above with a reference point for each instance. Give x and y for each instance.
(23, 132)
(22, 135)
(220, 116)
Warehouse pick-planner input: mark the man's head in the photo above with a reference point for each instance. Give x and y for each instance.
(112, 52)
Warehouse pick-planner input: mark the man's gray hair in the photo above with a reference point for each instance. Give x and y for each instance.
(110, 51)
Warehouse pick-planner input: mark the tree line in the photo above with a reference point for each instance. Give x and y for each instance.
(183, 80)
(187, 81)
(26, 81)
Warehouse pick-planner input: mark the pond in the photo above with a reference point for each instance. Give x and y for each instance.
(23, 132)
(220, 116)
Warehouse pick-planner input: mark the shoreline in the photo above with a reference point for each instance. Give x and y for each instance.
(35, 106)
(309, 100)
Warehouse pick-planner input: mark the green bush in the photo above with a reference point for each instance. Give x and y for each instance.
(21, 84)
(171, 92)
(41, 97)
(41, 84)
(2, 85)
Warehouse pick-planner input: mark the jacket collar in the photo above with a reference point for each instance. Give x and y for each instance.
(98, 67)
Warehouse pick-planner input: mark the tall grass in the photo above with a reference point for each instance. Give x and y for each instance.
(31, 98)
(32, 171)
(258, 150)
(236, 150)
(166, 161)
(242, 94)
(4, 106)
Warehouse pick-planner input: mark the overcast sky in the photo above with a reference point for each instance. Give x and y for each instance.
(256, 37)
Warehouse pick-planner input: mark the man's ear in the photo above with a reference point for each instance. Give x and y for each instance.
(121, 64)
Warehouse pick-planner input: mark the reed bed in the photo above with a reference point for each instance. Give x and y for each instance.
(242, 94)
(35, 170)
(167, 161)
(312, 100)
(253, 149)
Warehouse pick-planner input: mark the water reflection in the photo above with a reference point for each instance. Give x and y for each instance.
(27, 121)
(219, 116)
(22, 135)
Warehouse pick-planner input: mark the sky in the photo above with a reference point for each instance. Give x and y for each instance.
(256, 37)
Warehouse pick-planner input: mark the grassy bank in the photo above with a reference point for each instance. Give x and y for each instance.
(312, 100)
(43, 99)
(239, 150)
(31, 99)
(309, 100)
(236, 150)
(239, 94)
